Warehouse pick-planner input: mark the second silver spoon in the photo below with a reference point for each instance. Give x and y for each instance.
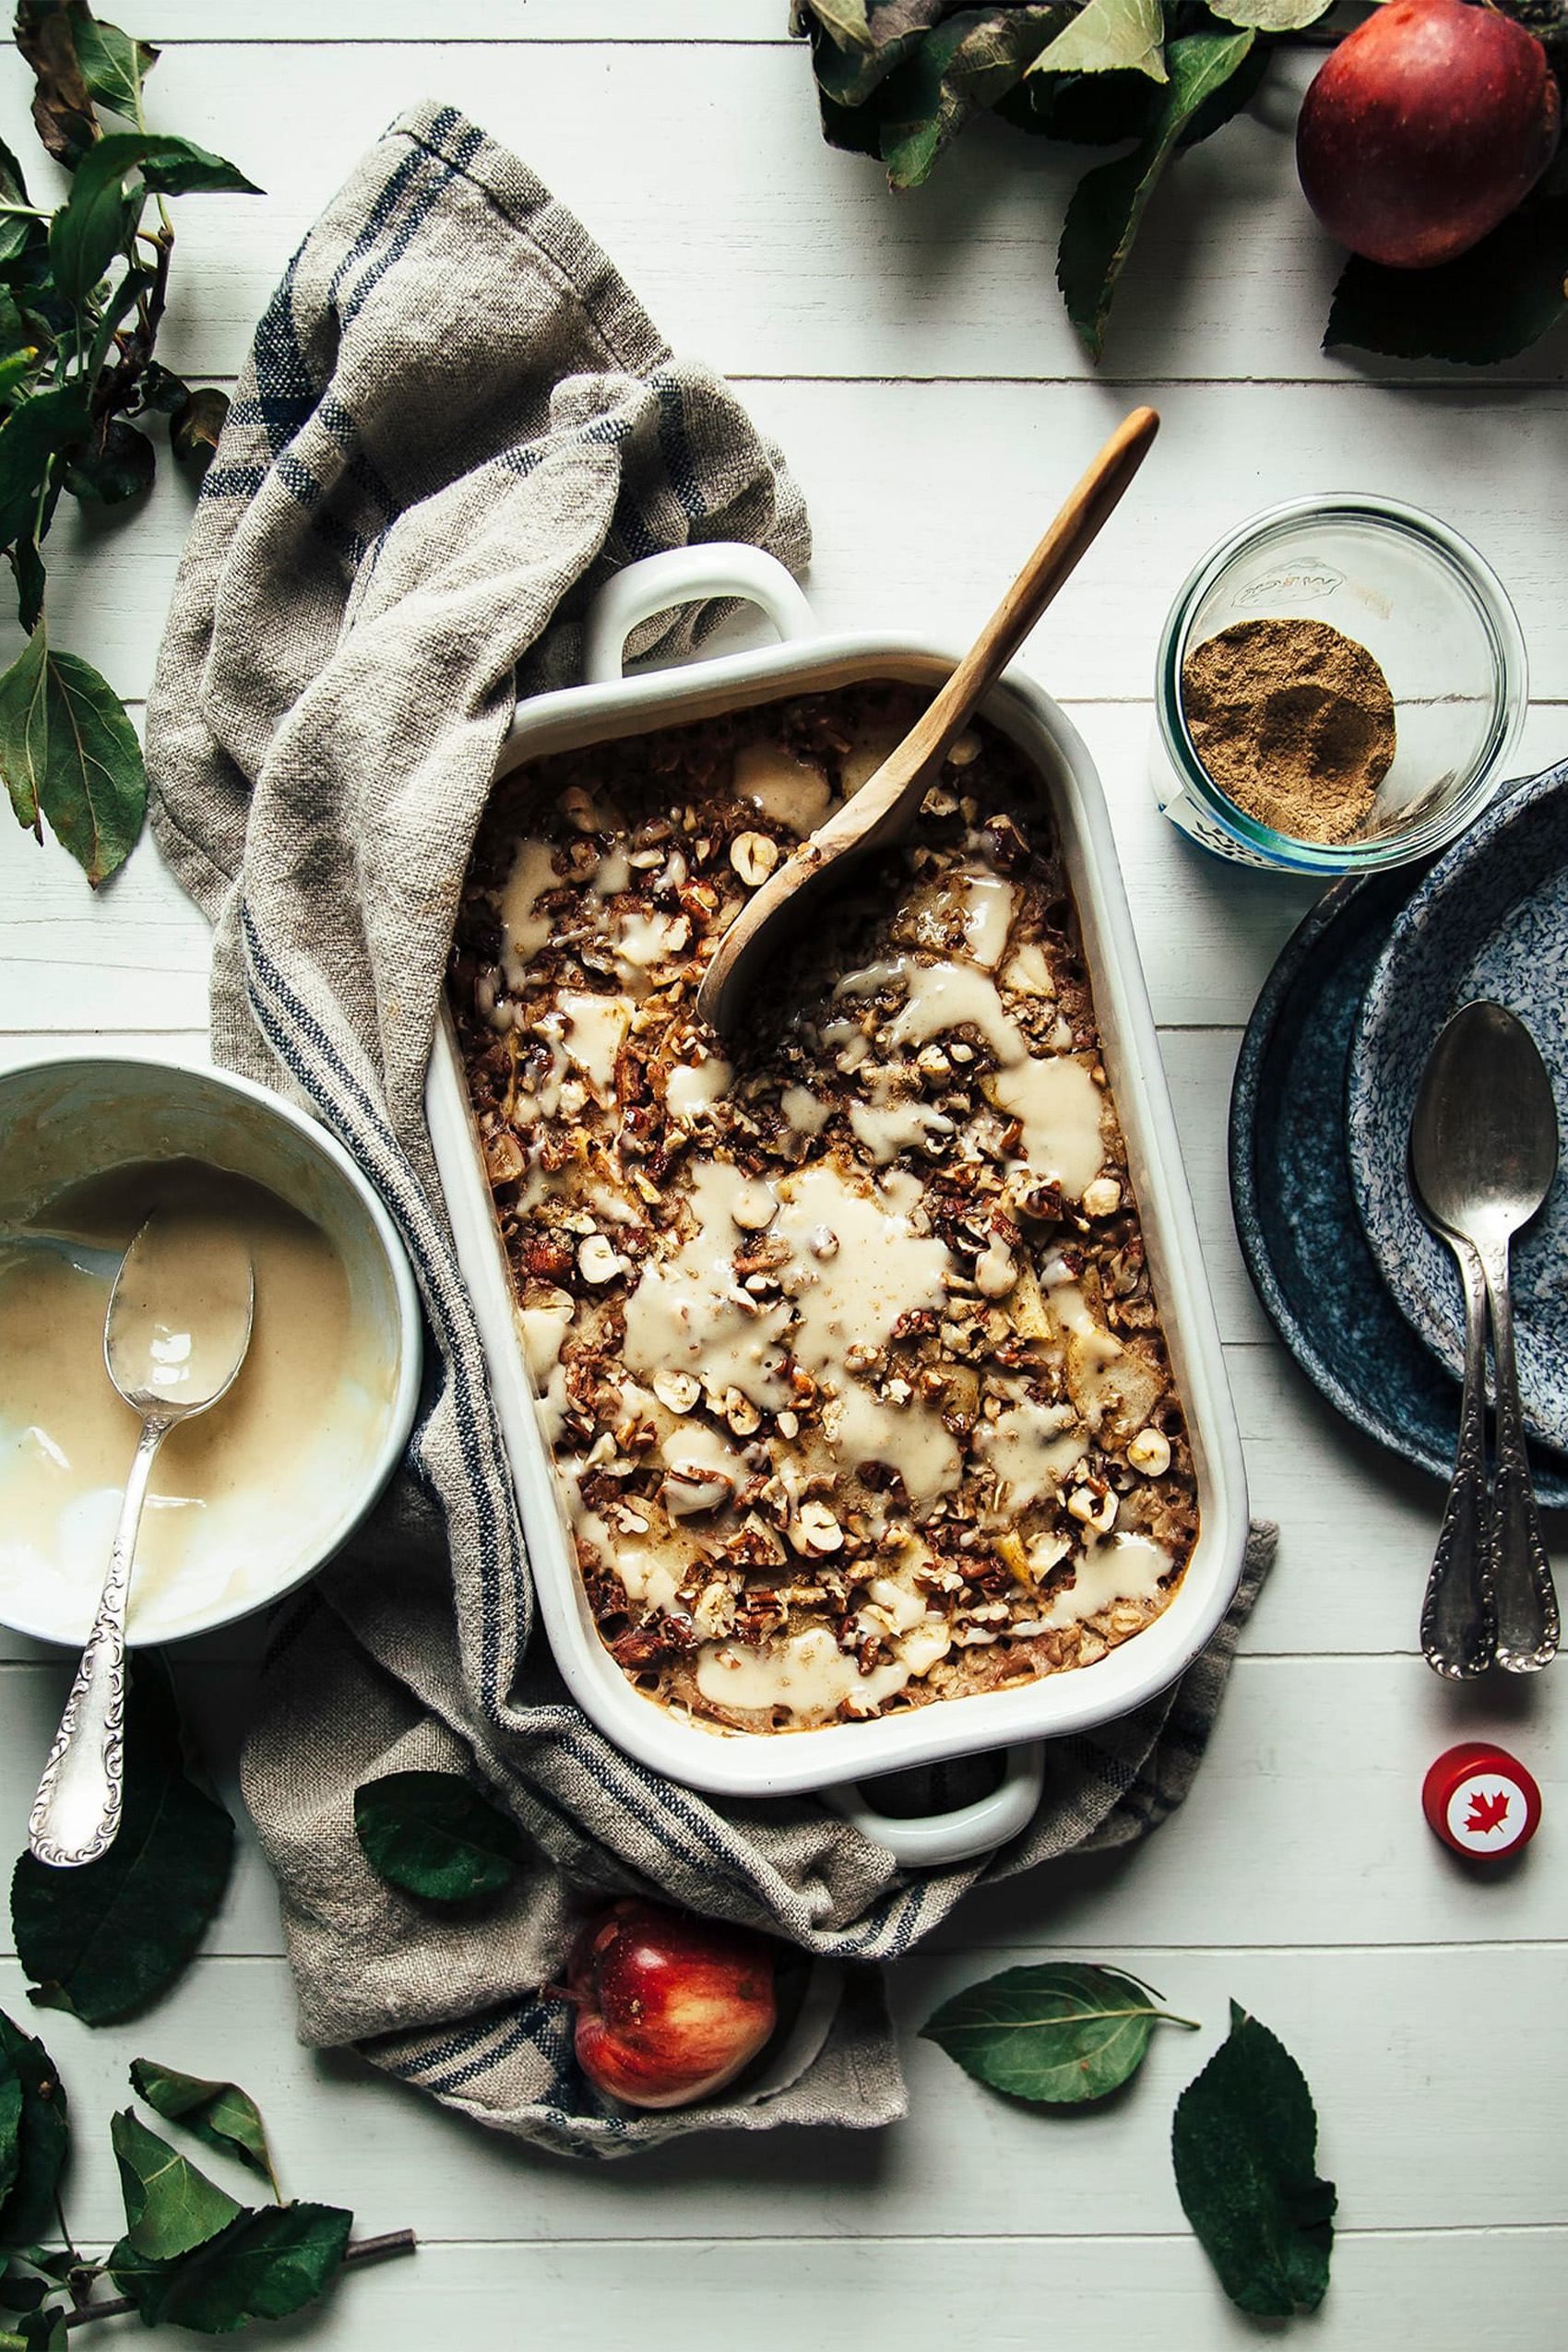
(1483, 1153)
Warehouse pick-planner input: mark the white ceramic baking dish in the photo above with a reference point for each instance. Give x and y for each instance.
(831, 1761)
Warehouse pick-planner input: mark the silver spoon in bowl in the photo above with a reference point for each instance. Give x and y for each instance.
(175, 1335)
(1483, 1153)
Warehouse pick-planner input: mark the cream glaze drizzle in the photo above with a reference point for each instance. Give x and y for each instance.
(1112, 1568)
(524, 932)
(264, 1474)
(1055, 1097)
(645, 941)
(806, 1112)
(807, 1673)
(1032, 1447)
(690, 1314)
(596, 1032)
(790, 791)
(693, 1083)
(988, 918)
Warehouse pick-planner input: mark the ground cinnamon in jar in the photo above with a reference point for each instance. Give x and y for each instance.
(1294, 722)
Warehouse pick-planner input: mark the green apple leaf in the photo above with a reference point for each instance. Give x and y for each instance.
(10, 2124)
(115, 462)
(42, 2138)
(178, 167)
(170, 2206)
(845, 19)
(17, 231)
(1271, 15)
(66, 744)
(1108, 203)
(113, 65)
(1057, 2034)
(1244, 2145)
(36, 428)
(104, 1940)
(195, 426)
(94, 223)
(960, 70)
(272, 2261)
(848, 74)
(24, 728)
(1490, 304)
(436, 1835)
(1110, 36)
(220, 2114)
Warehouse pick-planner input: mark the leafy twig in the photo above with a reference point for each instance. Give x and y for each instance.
(72, 374)
(899, 79)
(359, 2251)
(191, 2255)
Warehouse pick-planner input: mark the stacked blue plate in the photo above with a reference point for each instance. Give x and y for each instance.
(1363, 1295)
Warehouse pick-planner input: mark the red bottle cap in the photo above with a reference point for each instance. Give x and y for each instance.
(1479, 1799)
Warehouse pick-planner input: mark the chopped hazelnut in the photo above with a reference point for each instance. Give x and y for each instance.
(1150, 1453)
(753, 1207)
(690, 1490)
(753, 857)
(814, 1529)
(741, 1413)
(599, 1261)
(1103, 1197)
(1097, 1510)
(677, 1390)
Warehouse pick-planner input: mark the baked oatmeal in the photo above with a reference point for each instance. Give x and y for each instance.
(846, 1348)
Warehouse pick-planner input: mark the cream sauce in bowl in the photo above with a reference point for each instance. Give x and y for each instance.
(265, 1480)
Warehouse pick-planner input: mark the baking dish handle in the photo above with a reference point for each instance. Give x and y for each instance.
(725, 568)
(926, 1840)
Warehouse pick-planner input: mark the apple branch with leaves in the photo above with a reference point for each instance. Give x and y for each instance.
(900, 80)
(82, 295)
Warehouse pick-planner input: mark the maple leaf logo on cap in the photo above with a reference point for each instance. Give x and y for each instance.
(1486, 1812)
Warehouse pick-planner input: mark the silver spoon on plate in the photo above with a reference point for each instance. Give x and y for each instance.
(1483, 1153)
(175, 1335)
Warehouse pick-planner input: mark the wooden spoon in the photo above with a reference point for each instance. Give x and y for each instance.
(881, 810)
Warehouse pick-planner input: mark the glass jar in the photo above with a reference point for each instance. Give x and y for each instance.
(1433, 614)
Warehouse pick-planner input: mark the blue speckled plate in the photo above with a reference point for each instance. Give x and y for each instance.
(1491, 919)
(1294, 1203)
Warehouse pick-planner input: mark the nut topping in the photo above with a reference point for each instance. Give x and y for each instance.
(677, 1390)
(1150, 1453)
(599, 1261)
(753, 857)
(848, 1343)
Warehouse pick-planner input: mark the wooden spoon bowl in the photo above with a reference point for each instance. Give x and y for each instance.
(886, 804)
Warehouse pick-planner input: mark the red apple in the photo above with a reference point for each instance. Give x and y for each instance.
(670, 2007)
(1425, 128)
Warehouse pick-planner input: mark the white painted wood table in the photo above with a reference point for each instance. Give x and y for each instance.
(912, 357)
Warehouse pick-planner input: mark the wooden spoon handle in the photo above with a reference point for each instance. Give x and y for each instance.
(1083, 515)
(875, 814)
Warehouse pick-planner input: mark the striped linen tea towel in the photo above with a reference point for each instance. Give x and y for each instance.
(456, 422)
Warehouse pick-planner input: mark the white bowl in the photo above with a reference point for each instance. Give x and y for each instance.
(836, 1757)
(69, 1119)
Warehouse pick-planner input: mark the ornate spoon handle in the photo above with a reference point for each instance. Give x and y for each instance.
(1526, 1600)
(77, 1811)
(1458, 1616)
